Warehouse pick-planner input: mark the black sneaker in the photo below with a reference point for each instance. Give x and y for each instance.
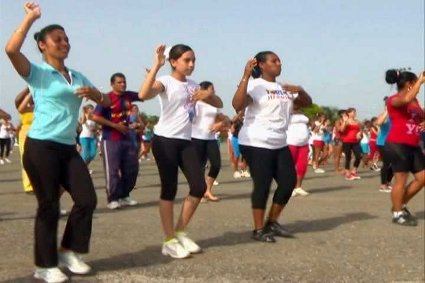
(408, 215)
(263, 235)
(278, 230)
(404, 220)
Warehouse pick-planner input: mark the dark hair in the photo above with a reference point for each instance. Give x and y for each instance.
(342, 111)
(41, 35)
(205, 84)
(117, 75)
(261, 57)
(400, 78)
(351, 109)
(177, 51)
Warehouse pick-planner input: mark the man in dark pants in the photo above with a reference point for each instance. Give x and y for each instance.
(120, 156)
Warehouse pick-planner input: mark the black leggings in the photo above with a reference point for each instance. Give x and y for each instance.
(347, 147)
(4, 148)
(50, 165)
(170, 154)
(208, 150)
(266, 165)
(386, 169)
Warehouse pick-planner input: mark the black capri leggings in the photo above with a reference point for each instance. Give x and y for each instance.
(266, 165)
(386, 169)
(347, 147)
(208, 150)
(170, 154)
(50, 165)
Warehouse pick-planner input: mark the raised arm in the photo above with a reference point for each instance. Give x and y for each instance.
(13, 46)
(241, 99)
(303, 99)
(151, 87)
(382, 117)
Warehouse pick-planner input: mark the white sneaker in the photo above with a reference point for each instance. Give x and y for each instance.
(294, 193)
(91, 172)
(1, 162)
(8, 160)
(187, 243)
(114, 205)
(50, 275)
(237, 175)
(246, 174)
(319, 171)
(216, 183)
(127, 202)
(301, 192)
(73, 262)
(174, 249)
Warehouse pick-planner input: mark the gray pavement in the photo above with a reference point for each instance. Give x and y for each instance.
(343, 234)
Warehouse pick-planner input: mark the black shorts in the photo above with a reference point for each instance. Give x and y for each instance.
(405, 158)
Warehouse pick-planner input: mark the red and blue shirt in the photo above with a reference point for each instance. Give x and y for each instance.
(118, 112)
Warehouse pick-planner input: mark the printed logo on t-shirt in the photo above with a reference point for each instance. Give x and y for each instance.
(277, 94)
(416, 116)
(189, 105)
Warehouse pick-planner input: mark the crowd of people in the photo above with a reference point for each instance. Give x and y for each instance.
(269, 138)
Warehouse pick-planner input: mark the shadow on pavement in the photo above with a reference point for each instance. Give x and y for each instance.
(329, 189)
(327, 223)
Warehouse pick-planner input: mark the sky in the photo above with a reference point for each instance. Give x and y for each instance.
(337, 50)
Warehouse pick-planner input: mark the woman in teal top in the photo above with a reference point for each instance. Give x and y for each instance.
(50, 156)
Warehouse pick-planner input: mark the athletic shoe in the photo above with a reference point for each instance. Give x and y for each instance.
(301, 192)
(114, 205)
(8, 160)
(127, 201)
(278, 230)
(237, 175)
(355, 176)
(187, 243)
(319, 171)
(216, 183)
(407, 213)
(404, 220)
(349, 177)
(73, 262)
(294, 193)
(174, 249)
(50, 275)
(263, 235)
(384, 190)
(245, 174)
(1, 162)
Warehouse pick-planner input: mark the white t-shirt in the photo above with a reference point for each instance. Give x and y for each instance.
(87, 130)
(4, 131)
(174, 121)
(298, 132)
(365, 137)
(267, 117)
(205, 117)
(318, 133)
